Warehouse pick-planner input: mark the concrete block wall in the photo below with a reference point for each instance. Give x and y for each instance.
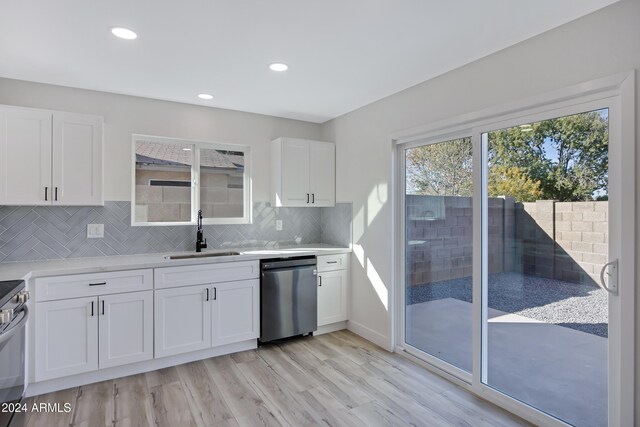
(582, 237)
(221, 195)
(441, 248)
(558, 240)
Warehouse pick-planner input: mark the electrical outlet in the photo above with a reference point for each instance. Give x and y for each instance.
(95, 231)
(278, 225)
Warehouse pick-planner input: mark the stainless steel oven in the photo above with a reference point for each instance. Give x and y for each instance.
(13, 318)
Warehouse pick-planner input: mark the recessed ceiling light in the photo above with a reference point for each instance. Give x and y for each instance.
(278, 66)
(205, 96)
(124, 33)
(186, 149)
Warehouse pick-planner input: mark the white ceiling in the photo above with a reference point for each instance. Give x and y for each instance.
(342, 54)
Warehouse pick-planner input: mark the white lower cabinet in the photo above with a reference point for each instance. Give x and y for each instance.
(182, 320)
(66, 338)
(125, 328)
(236, 312)
(332, 296)
(333, 288)
(84, 334)
(194, 318)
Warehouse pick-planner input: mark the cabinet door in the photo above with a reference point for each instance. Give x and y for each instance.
(25, 157)
(125, 328)
(295, 172)
(77, 159)
(182, 320)
(236, 311)
(322, 173)
(66, 337)
(332, 297)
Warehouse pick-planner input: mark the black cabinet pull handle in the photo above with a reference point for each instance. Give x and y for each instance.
(320, 277)
(91, 308)
(332, 262)
(313, 197)
(207, 297)
(98, 284)
(56, 194)
(215, 294)
(103, 307)
(307, 197)
(45, 193)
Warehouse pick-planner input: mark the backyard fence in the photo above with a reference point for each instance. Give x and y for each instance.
(560, 240)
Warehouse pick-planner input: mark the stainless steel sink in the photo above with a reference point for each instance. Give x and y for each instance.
(202, 255)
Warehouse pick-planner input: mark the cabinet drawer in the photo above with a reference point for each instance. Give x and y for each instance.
(170, 277)
(86, 285)
(332, 262)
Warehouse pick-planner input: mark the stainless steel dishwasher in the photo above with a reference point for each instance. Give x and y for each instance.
(288, 297)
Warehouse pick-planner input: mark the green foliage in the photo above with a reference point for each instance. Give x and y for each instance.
(567, 155)
(511, 181)
(564, 159)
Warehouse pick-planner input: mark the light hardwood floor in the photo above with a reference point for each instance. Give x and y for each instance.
(337, 379)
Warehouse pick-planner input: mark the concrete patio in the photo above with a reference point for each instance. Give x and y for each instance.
(559, 370)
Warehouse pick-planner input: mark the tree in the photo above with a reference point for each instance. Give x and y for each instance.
(511, 181)
(443, 169)
(564, 159)
(567, 155)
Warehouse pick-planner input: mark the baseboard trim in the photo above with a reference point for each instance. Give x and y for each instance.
(332, 327)
(370, 335)
(56, 384)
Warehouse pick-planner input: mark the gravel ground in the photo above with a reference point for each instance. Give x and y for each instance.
(575, 306)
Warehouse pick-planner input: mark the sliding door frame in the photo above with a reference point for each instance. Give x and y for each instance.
(616, 92)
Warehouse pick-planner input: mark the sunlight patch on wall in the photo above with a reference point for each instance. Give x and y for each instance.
(378, 284)
(377, 199)
(358, 224)
(358, 251)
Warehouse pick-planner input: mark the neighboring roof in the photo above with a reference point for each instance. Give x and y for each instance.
(173, 154)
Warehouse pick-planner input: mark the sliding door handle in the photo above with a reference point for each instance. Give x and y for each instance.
(611, 270)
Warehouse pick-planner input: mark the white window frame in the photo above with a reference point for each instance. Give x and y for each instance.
(618, 94)
(196, 145)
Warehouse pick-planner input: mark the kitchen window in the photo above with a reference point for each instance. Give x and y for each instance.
(175, 178)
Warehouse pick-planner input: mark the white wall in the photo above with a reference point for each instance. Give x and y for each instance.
(124, 115)
(601, 44)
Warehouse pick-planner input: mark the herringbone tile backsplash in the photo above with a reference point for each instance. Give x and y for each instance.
(42, 233)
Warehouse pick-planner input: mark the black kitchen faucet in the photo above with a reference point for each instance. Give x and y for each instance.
(201, 243)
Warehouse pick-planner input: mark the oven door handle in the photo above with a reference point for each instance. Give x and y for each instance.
(11, 332)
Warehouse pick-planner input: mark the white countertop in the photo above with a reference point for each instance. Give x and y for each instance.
(28, 270)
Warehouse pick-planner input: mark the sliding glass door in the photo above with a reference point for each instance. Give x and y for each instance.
(545, 215)
(510, 236)
(438, 247)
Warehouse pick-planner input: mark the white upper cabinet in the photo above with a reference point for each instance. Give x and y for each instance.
(50, 158)
(302, 172)
(77, 159)
(322, 173)
(25, 156)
